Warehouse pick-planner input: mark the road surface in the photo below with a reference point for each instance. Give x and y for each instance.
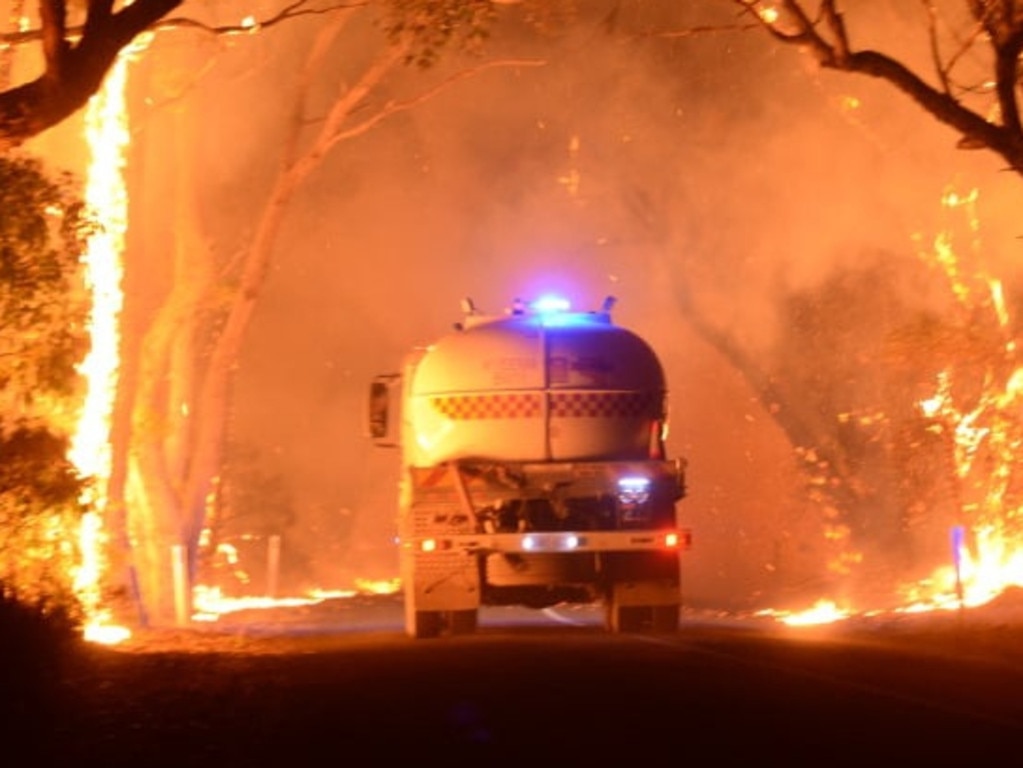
(344, 686)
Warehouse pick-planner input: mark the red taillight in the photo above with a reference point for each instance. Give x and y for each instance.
(677, 539)
(434, 545)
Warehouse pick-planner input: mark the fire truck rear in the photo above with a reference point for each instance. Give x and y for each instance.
(534, 470)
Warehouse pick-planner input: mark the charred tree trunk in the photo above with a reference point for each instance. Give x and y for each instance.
(73, 71)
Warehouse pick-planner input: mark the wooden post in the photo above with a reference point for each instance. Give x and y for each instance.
(273, 564)
(180, 578)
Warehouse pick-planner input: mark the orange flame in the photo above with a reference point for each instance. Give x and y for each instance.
(106, 133)
(987, 555)
(822, 612)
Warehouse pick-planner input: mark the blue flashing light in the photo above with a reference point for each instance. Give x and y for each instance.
(550, 305)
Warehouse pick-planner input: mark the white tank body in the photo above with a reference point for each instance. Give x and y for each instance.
(534, 387)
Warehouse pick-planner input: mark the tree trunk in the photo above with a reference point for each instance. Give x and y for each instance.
(161, 421)
(214, 399)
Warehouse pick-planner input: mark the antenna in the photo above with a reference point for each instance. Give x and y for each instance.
(608, 303)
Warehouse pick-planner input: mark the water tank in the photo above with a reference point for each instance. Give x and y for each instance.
(535, 386)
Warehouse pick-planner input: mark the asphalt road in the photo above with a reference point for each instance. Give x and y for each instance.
(543, 688)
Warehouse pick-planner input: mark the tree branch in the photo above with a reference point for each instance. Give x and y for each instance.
(1007, 80)
(932, 37)
(78, 58)
(1003, 139)
(293, 11)
(400, 106)
(73, 73)
(53, 14)
(1006, 139)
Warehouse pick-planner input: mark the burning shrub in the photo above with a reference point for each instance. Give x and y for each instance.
(39, 513)
(43, 314)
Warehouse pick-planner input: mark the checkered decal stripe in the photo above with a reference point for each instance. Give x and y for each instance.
(525, 405)
(605, 405)
(563, 405)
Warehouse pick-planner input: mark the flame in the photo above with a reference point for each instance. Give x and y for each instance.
(986, 556)
(378, 586)
(107, 137)
(210, 602)
(823, 612)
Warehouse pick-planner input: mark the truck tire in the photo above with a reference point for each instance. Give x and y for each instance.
(665, 618)
(427, 624)
(658, 619)
(627, 618)
(463, 622)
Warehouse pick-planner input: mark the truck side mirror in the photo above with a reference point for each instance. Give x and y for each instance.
(379, 411)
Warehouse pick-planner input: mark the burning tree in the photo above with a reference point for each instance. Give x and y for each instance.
(174, 458)
(160, 497)
(76, 59)
(43, 308)
(939, 436)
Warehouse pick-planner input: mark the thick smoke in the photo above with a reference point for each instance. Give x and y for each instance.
(634, 162)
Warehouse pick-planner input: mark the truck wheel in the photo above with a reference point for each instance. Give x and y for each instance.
(427, 624)
(627, 618)
(665, 618)
(463, 622)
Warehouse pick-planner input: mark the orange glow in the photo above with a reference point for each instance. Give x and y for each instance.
(379, 586)
(210, 603)
(822, 612)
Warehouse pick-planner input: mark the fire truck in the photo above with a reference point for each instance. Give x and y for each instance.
(533, 470)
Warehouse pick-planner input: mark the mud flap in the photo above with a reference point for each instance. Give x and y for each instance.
(442, 590)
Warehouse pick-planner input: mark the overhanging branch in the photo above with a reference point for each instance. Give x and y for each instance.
(1005, 138)
(400, 106)
(73, 73)
(290, 12)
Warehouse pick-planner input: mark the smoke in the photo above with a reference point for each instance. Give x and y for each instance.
(636, 163)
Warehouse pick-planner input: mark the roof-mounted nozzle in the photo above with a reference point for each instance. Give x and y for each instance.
(609, 302)
(469, 310)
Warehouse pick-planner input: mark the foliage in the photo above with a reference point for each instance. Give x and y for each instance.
(434, 24)
(43, 302)
(253, 504)
(859, 358)
(39, 492)
(43, 310)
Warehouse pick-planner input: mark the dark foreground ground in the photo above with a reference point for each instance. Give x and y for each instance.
(265, 690)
